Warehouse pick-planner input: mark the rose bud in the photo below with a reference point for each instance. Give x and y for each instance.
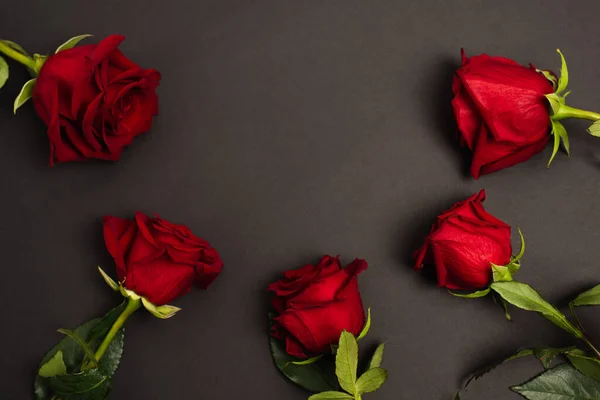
(506, 112)
(464, 243)
(157, 259)
(315, 303)
(94, 100)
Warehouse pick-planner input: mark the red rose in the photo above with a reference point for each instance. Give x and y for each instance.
(157, 259)
(315, 304)
(501, 111)
(463, 243)
(94, 100)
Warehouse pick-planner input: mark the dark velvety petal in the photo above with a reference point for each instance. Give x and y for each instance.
(104, 49)
(463, 243)
(457, 208)
(207, 273)
(160, 280)
(292, 322)
(294, 281)
(144, 248)
(516, 157)
(316, 328)
(294, 348)
(88, 123)
(324, 290)
(118, 236)
(420, 255)
(329, 265)
(510, 98)
(467, 257)
(466, 114)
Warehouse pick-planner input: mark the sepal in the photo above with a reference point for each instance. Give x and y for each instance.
(24, 94)
(162, 312)
(69, 44)
(109, 281)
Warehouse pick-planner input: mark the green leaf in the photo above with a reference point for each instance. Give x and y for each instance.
(89, 353)
(371, 380)
(546, 355)
(308, 361)
(563, 80)
(588, 366)
(474, 295)
(54, 366)
(315, 377)
(489, 368)
(109, 363)
(560, 383)
(590, 297)
(69, 44)
(346, 362)
(367, 326)
(92, 332)
(87, 385)
(3, 71)
(594, 129)
(24, 94)
(330, 396)
(525, 297)
(377, 357)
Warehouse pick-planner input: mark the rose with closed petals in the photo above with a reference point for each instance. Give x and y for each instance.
(94, 100)
(315, 304)
(157, 259)
(463, 244)
(501, 111)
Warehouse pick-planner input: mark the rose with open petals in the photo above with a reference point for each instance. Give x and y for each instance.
(501, 110)
(94, 100)
(157, 259)
(463, 244)
(315, 304)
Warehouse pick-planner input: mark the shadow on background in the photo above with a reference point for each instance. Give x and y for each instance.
(438, 100)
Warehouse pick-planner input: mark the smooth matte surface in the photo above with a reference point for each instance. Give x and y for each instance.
(287, 130)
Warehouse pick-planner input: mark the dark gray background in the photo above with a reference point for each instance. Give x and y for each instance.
(287, 130)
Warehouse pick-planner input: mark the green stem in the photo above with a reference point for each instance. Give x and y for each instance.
(566, 111)
(132, 306)
(17, 56)
(572, 308)
(591, 346)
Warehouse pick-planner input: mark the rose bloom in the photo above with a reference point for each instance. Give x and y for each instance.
(463, 243)
(502, 114)
(315, 304)
(94, 100)
(157, 259)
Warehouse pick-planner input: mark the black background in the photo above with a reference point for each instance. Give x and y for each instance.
(288, 130)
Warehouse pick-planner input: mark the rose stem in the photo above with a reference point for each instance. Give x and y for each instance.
(15, 55)
(591, 346)
(566, 111)
(132, 306)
